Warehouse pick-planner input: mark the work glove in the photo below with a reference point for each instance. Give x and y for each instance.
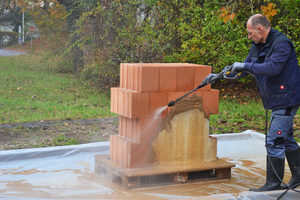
(210, 78)
(227, 69)
(238, 67)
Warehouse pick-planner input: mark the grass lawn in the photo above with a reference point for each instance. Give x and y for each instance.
(31, 89)
(236, 116)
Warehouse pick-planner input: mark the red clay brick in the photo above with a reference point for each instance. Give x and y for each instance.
(114, 100)
(202, 71)
(125, 76)
(185, 78)
(125, 152)
(135, 130)
(215, 101)
(139, 105)
(113, 147)
(172, 96)
(167, 79)
(131, 104)
(137, 76)
(148, 79)
(122, 126)
(147, 128)
(129, 154)
(138, 155)
(211, 101)
(198, 93)
(136, 72)
(157, 101)
(130, 77)
(126, 105)
(139, 130)
(118, 149)
(129, 128)
(120, 101)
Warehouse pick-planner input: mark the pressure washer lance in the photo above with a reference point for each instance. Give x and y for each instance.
(219, 76)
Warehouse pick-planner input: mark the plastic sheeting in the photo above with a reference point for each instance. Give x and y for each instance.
(68, 173)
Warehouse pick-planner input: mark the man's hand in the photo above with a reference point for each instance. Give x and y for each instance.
(227, 69)
(210, 78)
(238, 67)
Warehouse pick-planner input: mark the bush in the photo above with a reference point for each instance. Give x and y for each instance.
(193, 31)
(8, 38)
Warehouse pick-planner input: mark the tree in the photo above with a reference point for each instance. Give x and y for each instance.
(49, 17)
(103, 34)
(73, 9)
(10, 14)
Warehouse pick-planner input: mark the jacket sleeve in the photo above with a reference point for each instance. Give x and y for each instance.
(274, 64)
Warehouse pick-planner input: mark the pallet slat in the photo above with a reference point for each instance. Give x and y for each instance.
(162, 175)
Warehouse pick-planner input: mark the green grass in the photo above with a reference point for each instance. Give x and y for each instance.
(62, 140)
(236, 116)
(31, 89)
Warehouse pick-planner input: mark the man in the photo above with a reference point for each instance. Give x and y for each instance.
(273, 61)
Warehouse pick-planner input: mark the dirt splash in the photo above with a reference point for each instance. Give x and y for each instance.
(183, 136)
(183, 105)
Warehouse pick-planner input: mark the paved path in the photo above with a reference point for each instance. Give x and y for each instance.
(4, 52)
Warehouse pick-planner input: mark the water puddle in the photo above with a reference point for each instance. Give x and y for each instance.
(83, 184)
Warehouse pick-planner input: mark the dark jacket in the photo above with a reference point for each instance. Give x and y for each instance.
(275, 66)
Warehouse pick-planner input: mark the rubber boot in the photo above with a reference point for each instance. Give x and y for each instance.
(293, 158)
(272, 182)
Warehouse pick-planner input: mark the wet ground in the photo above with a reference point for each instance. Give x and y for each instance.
(68, 173)
(56, 133)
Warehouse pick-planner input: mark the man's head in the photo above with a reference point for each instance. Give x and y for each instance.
(258, 28)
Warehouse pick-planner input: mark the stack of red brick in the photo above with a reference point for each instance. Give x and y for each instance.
(144, 88)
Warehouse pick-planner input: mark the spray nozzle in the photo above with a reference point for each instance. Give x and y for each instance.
(171, 103)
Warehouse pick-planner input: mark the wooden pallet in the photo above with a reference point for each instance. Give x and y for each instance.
(162, 175)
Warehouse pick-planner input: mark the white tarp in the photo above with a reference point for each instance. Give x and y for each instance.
(68, 173)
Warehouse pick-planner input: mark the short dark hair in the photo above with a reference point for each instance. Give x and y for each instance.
(259, 19)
